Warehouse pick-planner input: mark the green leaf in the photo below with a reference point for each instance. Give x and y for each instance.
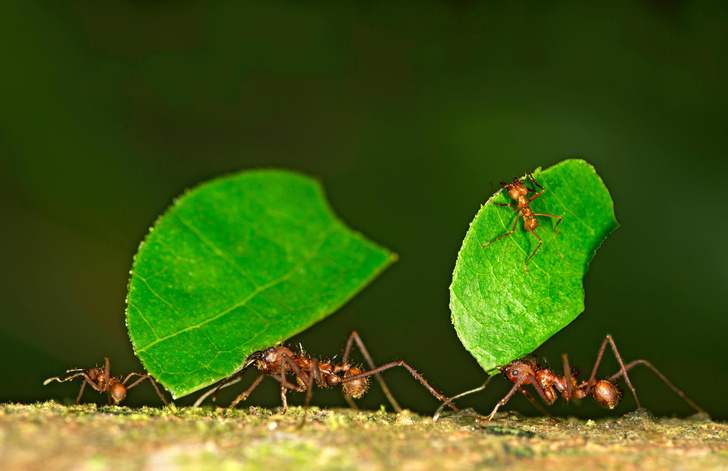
(499, 311)
(239, 264)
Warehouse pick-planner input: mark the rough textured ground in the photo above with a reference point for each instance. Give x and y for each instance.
(50, 436)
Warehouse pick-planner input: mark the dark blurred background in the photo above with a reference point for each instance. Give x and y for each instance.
(405, 110)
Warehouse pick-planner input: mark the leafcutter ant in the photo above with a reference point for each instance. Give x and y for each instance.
(518, 191)
(281, 363)
(101, 380)
(547, 384)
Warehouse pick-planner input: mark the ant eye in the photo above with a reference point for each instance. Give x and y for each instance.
(515, 373)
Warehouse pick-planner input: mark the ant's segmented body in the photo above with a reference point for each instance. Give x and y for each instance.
(281, 362)
(101, 380)
(548, 385)
(518, 191)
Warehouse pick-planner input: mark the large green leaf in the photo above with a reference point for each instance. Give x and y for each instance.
(239, 264)
(499, 311)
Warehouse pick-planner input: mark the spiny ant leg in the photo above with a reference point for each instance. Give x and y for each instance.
(213, 392)
(567, 376)
(536, 250)
(560, 218)
(412, 371)
(466, 393)
(142, 377)
(508, 396)
(623, 371)
(515, 224)
(677, 390)
(247, 392)
(354, 337)
(538, 406)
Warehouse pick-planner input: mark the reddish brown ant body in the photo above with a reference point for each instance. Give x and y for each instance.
(518, 191)
(101, 380)
(548, 385)
(281, 362)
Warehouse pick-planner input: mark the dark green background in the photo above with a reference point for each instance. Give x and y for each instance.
(405, 111)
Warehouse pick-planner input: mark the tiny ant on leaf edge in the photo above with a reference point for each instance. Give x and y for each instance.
(518, 191)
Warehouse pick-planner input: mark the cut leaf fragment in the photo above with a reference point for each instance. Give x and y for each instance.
(239, 264)
(500, 311)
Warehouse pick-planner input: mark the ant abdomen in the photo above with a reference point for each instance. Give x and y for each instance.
(355, 388)
(607, 393)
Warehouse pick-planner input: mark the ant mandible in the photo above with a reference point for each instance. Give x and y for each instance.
(518, 191)
(280, 362)
(101, 380)
(527, 371)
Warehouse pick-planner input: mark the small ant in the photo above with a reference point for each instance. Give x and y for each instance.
(518, 191)
(527, 371)
(103, 382)
(279, 362)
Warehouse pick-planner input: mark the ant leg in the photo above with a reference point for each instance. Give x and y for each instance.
(510, 394)
(214, 391)
(142, 378)
(247, 392)
(466, 393)
(80, 393)
(551, 216)
(412, 371)
(317, 378)
(568, 378)
(285, 385)
(540, 241)
(663, 378)
(515, 224)
(538, 406)
(622, 371)
(354, 336)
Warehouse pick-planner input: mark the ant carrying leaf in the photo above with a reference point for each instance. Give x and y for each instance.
(101, 380)
(281, 362)
(518, 191)
(547, 384)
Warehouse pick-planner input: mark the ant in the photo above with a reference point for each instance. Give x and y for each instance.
(518, 191)
(527, 371)
(280, 362)
(101, 380)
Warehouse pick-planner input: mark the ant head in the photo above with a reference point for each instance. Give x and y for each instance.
(516, 189)
(118, 392)
(519, 368)
(607, 393)
(95, 373)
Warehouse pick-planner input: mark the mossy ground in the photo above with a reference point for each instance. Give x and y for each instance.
(51, 436)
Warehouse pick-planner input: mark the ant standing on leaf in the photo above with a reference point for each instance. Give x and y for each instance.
(101, 380)
(518, 191)
(547, 384)
(280, 363)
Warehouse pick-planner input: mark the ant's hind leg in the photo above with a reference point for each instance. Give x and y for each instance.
(551, 216)
(677, 390)
(142, 377)
(622, 368)
(412, 371)
(354, 337)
